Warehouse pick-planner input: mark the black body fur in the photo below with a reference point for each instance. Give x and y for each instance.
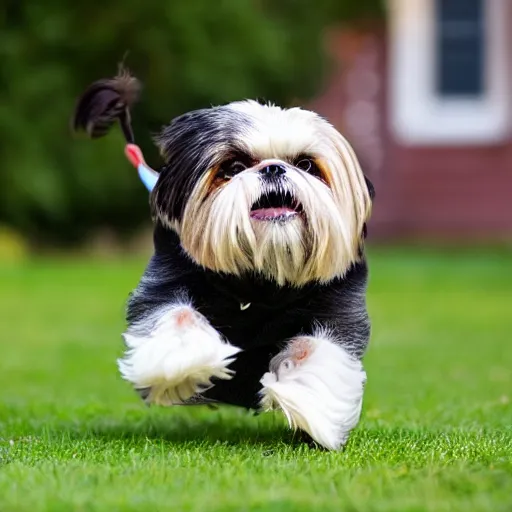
(276, 313)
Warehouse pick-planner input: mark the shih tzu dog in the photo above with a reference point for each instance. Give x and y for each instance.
(255, 294)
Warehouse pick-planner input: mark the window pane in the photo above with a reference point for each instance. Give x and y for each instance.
(460, 47)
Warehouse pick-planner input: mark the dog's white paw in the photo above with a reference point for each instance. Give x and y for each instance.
(173, 356)
(319, 388)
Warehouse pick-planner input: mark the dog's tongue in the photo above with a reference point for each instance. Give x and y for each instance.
(271, 213)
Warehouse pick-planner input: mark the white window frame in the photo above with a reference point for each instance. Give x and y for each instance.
(418, 114)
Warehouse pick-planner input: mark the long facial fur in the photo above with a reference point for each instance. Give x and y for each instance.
(212, 216)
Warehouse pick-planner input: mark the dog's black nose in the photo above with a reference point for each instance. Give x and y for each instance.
(273, 170)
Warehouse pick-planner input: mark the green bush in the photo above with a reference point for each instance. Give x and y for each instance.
(188, 54)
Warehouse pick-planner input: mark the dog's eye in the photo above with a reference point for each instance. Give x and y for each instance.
(230, 169)
(309, 165)
(305, 164)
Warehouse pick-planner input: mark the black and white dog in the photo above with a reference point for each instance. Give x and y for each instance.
(255, 294)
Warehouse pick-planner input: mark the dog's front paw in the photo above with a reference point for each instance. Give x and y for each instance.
(319, 388)
(174, 355)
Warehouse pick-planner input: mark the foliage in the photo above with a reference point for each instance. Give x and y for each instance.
(188, 54)
(435, 433)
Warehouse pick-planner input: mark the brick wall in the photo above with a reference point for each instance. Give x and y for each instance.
(422, 192)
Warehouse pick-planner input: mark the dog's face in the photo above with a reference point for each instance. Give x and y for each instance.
(256, 188)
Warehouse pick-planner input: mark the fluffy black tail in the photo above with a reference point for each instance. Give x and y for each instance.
(104, 102)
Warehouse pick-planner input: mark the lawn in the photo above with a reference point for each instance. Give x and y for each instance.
(436, 432)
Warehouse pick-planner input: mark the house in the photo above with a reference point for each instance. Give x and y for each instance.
(425, 97)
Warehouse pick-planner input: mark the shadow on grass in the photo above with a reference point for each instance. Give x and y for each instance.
(180, 432)
(370, 442)
(183, 429)
(391, 443)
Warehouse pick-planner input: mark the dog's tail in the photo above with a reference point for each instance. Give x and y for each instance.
(102, 104)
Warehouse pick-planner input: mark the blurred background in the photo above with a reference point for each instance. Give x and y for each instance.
(422, 90)
(420, 87)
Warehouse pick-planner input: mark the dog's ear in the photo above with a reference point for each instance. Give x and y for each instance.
(104, 102)
(371, 188)
(371, 192)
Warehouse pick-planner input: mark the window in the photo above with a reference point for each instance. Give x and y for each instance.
(460, 51)
(450, 71)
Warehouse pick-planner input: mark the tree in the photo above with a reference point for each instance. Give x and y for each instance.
(188, 54)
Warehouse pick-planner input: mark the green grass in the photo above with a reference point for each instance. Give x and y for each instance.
(436, 432)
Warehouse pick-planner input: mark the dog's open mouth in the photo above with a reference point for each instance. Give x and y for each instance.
(276, 206)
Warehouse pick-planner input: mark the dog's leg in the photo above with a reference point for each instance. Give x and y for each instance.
(318, 386)
(173, 354)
